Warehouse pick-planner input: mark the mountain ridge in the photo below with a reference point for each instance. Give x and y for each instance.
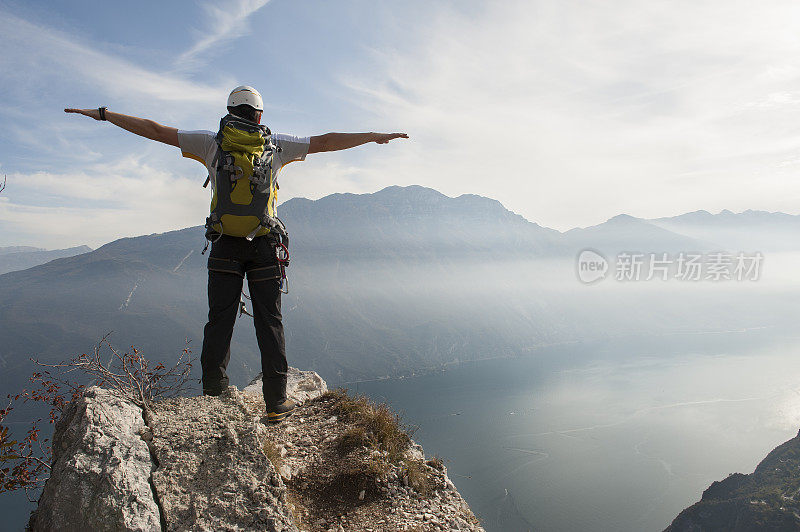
(551, 240)
(431, 255)
(15, 258)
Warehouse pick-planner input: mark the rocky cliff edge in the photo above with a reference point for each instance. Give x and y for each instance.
(209, 463)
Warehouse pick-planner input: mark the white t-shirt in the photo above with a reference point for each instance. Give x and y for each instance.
(202, 146)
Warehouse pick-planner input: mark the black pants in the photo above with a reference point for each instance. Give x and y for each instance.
(232, 258)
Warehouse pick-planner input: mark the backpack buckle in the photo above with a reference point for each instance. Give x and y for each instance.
(235, 171)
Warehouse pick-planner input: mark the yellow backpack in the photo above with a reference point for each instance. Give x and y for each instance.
(245, 188)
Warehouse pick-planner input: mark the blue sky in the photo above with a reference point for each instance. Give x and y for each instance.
(568, 112)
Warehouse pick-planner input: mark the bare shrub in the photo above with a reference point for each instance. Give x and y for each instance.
(130, 374)
(25, 463)
(353, 438)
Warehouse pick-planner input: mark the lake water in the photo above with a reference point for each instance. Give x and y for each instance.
(615, 435)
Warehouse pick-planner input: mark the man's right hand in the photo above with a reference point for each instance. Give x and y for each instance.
(91, 113)
(140, 126)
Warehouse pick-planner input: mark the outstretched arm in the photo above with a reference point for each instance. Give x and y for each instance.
(140, 126)
(343, 141)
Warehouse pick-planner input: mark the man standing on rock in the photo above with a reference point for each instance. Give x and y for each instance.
(243, 160)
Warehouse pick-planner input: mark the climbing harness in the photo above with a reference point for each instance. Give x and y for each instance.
(282, 256)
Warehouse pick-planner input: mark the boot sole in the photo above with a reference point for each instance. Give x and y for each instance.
(274, 417)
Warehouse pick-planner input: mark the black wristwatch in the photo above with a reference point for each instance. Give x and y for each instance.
(102, 111)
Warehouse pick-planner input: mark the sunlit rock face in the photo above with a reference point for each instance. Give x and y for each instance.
(100, 477)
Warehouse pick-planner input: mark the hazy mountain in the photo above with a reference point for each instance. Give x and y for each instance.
(56, 310)
(18, 249)
(14, 258)
(748, 231)
(361, 302)
(624, 233)
(404, 222)
(386, 284)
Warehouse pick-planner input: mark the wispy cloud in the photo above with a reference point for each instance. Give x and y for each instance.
(101, 202)
(63, 59)
(61, 189)
(225, 22)
(572, 112)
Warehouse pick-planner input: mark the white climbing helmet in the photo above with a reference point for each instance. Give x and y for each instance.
(245, 95)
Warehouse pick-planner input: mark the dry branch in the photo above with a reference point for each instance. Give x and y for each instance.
(130, 374)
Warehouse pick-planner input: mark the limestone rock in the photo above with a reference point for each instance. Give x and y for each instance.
(301, 386)
(100, 478)
(213, 473)
(415, 451)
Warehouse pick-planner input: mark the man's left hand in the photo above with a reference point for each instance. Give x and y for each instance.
(383, 138)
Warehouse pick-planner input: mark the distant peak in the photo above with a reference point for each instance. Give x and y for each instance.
(693, 216)
(390, 191)
(623, 218)
(409, 188)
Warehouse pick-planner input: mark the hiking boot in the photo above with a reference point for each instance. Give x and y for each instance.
(213, 392)
(281, 411)
(215, 388)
